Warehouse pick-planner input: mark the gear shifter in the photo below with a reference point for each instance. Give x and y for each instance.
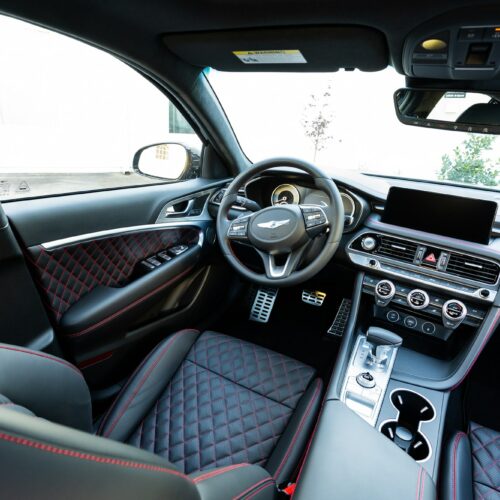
(381, 342)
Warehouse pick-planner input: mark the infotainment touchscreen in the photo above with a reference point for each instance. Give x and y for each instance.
(464, 218)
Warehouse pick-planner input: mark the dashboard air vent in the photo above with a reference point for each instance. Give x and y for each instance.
(473, 268)
(396, 248)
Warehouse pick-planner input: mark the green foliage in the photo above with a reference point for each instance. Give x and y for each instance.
(468, 164)
(318, 118)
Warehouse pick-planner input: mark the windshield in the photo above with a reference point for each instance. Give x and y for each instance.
(346, 121)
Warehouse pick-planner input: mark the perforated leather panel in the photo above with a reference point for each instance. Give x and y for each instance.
(228, 403)
(66, 274)
(485, 445)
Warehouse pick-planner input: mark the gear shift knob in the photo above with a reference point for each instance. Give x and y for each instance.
(378, 337)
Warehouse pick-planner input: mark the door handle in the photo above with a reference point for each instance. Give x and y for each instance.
(179, 209)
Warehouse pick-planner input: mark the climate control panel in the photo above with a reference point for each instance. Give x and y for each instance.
(420, 310)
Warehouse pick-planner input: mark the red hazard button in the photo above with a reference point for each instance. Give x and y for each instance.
(431, 258)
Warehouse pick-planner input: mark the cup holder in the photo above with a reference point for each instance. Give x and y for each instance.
(405, 431)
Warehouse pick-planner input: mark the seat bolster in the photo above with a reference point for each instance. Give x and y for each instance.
(48, 386)
(286, 456)
(457, 481)
(145, 385)
(235, 481)
(43, 459)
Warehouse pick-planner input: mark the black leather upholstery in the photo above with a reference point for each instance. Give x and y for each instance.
(349, 459)
(196, 403)
(48, 386)
(229, 402)
(471, 465)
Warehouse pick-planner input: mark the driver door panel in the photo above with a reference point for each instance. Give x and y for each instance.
(105, 308)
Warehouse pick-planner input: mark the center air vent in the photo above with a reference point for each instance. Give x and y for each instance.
(396, 248)
(473, 268)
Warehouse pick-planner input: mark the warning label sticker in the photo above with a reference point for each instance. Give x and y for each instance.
(270, 56)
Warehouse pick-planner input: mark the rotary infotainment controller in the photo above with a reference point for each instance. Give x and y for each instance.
(420, 310)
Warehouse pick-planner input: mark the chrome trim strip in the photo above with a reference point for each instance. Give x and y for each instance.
(81, 238)
(431, 272)
(363, 261)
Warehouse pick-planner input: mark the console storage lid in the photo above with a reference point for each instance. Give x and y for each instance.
(349, 459)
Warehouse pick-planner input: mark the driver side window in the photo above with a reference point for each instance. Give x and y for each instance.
(72, 117)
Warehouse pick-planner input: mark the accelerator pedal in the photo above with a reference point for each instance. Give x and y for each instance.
(263, 304)
(340, 321)
(313, 297)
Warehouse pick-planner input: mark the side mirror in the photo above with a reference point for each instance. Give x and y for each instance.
(167, 160)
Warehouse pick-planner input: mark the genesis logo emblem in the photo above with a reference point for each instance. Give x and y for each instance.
(273, 224)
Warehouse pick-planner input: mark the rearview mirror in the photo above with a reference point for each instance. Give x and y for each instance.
(463, 111)
(166, 161)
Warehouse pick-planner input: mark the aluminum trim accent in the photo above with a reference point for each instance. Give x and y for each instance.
(422, 270)
(362, 260)
(382, 378)
(72, 240)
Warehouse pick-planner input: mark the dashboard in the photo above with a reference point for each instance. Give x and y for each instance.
(271, 191)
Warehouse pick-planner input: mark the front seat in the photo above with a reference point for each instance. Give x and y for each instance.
(205, 416)
(471, 466)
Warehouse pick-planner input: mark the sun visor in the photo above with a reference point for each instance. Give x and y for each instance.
(305, 49)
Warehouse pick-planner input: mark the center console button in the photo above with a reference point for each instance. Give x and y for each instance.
(418, 299)
(428, 328)
(410, 322)
(366, 380)
(392, 316)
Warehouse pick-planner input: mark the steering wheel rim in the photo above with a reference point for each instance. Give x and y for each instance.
(289, 276)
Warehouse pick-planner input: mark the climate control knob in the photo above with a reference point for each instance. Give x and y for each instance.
(384, 292)
(418, 299)
(454, 312)
(368, 243)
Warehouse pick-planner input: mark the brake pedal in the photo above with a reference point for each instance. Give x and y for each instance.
(313, 298)
(263, 304)
(340, 321)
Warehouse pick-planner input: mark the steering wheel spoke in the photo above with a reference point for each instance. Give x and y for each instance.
(291, 261)
(315, 219)
(237, 229)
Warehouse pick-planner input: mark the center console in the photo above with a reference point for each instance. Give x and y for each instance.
(424, 306)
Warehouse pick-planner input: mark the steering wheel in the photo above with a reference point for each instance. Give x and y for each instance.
(281, 234)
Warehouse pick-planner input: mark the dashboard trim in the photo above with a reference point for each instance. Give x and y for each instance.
(366, 260)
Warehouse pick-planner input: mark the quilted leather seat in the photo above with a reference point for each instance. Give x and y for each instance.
(209, 400)
(472, 465)
(212, 416)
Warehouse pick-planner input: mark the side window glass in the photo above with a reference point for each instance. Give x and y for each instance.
(73, 118)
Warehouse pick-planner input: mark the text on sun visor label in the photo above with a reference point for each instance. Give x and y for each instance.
(270, 56)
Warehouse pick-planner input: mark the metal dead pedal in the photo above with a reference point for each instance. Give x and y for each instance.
(340, 321)
(313, 298)
(263, 304)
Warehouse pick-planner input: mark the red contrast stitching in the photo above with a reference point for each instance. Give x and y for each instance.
(89, 457)
(131, 305)
(248, 490)
(423, 486)
(299, 429)
(419, 477)
(42, 355)
(214, 473)
(143, 380)
(256, 492)
(458, 437)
